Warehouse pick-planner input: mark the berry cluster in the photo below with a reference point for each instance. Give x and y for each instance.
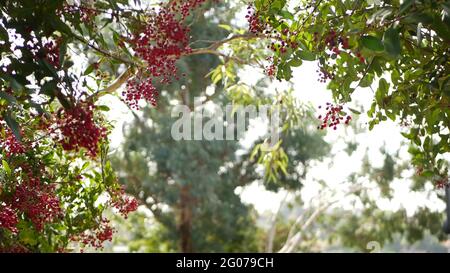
(256, 24)
(332, 41)
(324, 74)
(333, 117)
(51, 53)
(96, 237)
(442, 183)
(160, 43)
(14, 249)
(123, 203)
(48, 50)
(282, 40)
(360, 57)
(185, 7)
(126, 205)
(137, 90)
(83, 12)
(8, 218)
(79, 130)
(271, 69)
(11, 145)
(37, 201)
(335, 45)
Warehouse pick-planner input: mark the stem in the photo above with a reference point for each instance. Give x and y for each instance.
(104, 52)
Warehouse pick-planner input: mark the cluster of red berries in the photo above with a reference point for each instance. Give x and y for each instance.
(360, 57)
(324, 74)
(14, 249)
(334, 116)
(138, 89)
(38, 201)
(160, 43)
(184, 7)
(79, 130)
(442, 183)
(282, 40)
(333, 42)
(126, 205)
(271, 69)
(256, 24)
(11, 145)
(336, 45)
(84, 12)
(96, 237)
(123, 203)
(51, 52)
(8, 218)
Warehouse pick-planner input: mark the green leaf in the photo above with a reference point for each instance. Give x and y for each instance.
(226, 27)
(406, 5)
(49, 89)
(89, 69)
(62, 52)
(103, 108)
(287, 73)
(295, 62)
(13, 125)
(373, 43)
(10, 99)
(354, 111)
(306, 55)
(287, 15)
(50, 68)
(277, 5)
(366, 81)
(383, 86)
(382, 91)
(375, 66)
(4, 34)
(391, 42)
(427, 173)
(6, 167)
(60, 25)
(441, 28)
(15, 85)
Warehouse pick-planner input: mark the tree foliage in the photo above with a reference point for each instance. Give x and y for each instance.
(58, 58)
(399, 49)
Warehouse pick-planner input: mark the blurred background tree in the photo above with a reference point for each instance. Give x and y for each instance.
(189, 186)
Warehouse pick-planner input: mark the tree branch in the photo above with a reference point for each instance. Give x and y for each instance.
(124, 77)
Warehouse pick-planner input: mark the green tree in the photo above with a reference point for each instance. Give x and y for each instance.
(59, 57)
